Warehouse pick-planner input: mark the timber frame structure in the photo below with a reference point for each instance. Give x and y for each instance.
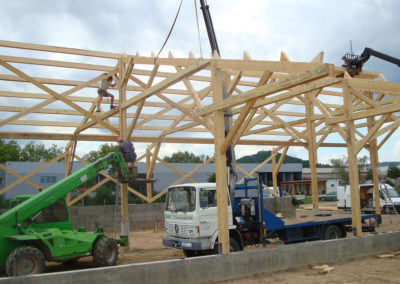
(49, 93)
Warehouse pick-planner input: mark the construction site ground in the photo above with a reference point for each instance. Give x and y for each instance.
(146, 246)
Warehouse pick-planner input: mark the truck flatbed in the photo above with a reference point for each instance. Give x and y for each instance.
(321, 218)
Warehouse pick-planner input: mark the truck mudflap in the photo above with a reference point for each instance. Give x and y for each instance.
(181, 243)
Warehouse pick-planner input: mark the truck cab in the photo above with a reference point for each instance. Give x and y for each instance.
(389, 198)
(191, 218)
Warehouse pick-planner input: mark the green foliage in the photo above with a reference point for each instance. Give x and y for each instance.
(39, 153)
(393, 171)
(185, 157)
(4, 204)
(105, 195)
(102, 151)
(341, 166)
(261, 156)
(212, 178)
(31, 152)
(9, 151)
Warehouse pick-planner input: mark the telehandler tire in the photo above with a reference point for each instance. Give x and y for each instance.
(105, 252)
(24, 261)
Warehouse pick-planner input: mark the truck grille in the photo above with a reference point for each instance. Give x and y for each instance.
(179, 230)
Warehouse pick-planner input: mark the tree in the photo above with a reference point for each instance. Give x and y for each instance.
(9, 151)
(105, 195)
(39, 153)
(102, 151)
(394, 172)
(185, 157)
(212, 178)
(341, 166)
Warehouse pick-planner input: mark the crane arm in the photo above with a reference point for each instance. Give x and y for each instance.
(60, 189)
(354, 64)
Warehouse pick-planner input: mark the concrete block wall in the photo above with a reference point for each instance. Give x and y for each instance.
(141, 216)
(280, 205)
(225, 267)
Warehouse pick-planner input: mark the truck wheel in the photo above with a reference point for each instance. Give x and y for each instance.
(385, 210)
(191, 253)
(332, 232)
(25, 260)
(105, 252)
(234, 246)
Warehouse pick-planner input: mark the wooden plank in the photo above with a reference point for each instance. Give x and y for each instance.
(375, 86)
(220, 164)
(312, 148)
(56, 49)
(228, 139)
(174, 169)
(18, 176)
(317, 84)
(56, 95)
(352, 164)
(395, 107)
(289, 82)
(371, 132)
(166, 83)
(161, 193)
(25, 177)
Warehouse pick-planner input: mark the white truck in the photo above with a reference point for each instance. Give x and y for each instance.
(191, 220)
(389, 198)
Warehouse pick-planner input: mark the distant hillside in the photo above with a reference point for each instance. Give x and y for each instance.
(382, 164)
(261, 156)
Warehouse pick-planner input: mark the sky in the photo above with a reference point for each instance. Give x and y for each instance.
(263, 28)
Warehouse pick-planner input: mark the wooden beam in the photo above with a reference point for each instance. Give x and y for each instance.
(228, 139)
(360, 144)
(289, 82)
(166, 83)
(56, 95)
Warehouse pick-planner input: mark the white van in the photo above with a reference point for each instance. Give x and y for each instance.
(389, 198)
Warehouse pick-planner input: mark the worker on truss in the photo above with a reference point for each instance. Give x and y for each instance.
(128, 152)
(102, 91)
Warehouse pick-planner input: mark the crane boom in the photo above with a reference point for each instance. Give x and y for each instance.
(354, 63)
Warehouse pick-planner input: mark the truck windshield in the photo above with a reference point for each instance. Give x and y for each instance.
(392, 192)
(181, 199)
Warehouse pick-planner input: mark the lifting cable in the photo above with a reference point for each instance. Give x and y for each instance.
(198, 29)
(170, 31)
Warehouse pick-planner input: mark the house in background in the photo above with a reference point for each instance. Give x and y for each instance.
(164, 175)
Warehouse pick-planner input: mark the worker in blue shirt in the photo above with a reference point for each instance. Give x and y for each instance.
(128, 152)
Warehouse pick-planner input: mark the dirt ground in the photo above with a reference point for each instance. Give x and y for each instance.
(146, 246)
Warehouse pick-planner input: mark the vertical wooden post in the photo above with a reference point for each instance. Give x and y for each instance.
(274, 173)
(220, 164)
(69, 162)
(123, 134)
(373, 156)
(352, 163)
(312, 149)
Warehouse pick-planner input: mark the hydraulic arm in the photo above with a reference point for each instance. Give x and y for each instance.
(62, 188)
(354, 63)
(230, 152)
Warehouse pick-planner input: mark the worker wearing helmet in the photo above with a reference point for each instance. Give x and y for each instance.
(128, 152)
(102, 91)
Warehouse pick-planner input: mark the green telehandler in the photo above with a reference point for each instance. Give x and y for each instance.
(40, 229)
